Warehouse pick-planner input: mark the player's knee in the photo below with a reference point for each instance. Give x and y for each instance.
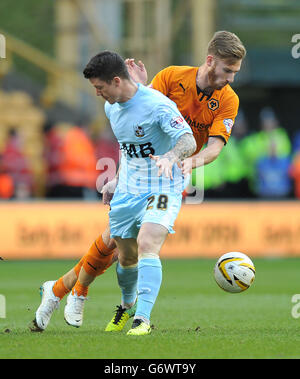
(126, 261)
(143, 247)
(112, 244)
(151, 238)
(147, 246)
(109, 242)
(115, 256)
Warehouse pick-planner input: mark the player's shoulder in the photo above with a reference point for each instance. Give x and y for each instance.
(157, 103)
(179, 70)
(229, 93)
(227, 96)
(107, 109)
(155, 95)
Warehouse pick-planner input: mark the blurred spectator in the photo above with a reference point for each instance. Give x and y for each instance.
(296, 142)
(272, 133)
(71, 163)
(272, 175)
(295, 174)
(6, 183)
(234, 164)
(15, 164)
(257, 145)
(107, 146)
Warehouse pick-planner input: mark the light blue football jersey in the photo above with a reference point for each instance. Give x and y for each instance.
(148, 123)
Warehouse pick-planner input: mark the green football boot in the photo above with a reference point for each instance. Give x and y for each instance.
(139, 328)
(122, 315)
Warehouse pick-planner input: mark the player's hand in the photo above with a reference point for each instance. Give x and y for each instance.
(137, 72)
(187, 166)
(164, 165)
(108, 191)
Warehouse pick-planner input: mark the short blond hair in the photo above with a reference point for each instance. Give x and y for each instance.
(227, 46)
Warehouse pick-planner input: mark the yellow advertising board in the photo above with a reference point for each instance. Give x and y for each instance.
(255, 228)
(46, 230)
(49, 229)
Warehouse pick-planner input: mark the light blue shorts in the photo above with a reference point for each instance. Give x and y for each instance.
(128, 212)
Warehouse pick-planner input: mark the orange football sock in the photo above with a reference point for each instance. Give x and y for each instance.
(102, 247)
(77, 268)
(79, 289)
(59, 289)
(98, 258)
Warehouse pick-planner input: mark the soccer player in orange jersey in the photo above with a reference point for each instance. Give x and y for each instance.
(209, 105)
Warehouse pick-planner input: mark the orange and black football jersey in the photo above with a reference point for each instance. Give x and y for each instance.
(208, 116)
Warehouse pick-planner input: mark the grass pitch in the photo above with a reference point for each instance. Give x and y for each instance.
(192, 319)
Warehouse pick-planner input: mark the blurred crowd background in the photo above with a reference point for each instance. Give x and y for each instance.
(53, 130)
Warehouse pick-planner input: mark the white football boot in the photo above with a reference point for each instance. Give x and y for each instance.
(48, 305)
(74, 310)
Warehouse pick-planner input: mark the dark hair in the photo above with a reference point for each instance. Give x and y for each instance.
(106, 66)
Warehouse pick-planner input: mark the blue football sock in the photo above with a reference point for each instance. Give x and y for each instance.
(127, 279)
(149, 281)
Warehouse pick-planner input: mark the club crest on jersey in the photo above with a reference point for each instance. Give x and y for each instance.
(139, 131)
(213, 104)
(228, 124)
(177, 122)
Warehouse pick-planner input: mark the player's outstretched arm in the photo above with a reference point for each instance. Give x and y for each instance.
(185, 147)
(205, 156)
(137, 72)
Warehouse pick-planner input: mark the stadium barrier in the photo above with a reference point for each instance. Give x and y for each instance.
(48, 230)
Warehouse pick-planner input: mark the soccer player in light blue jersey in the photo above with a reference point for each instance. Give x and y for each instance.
(154, 138)
(147, 167)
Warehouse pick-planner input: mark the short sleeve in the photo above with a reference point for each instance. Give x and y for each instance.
(171, 121)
